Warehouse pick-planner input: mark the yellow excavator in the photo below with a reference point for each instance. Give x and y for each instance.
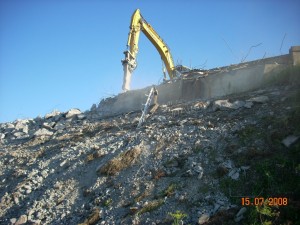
(137, 24)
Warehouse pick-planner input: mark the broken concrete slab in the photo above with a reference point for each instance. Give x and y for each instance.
(81, 116)
(240, 215)
(203, 218)
(234, 174)
(289, 140)
(259, 99)
(225, 105)
(60, 126)
(22, 125)
(9, 127)
(20, 135)
(43, 132)
(72, 112)
(52, 114)
(248, 104)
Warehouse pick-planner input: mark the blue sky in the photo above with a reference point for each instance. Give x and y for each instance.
(67, 54)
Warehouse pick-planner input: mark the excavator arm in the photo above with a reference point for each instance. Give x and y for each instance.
(138, 23)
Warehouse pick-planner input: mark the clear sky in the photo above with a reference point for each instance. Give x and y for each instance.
(62, 54)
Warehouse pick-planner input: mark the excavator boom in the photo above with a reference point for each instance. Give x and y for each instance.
(137, 24)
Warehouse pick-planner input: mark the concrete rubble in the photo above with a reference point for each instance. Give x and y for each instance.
(289, 140)
(78, 168)
(240, 215)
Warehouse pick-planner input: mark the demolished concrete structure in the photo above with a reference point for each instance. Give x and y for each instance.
(198, 162)
(204, 84)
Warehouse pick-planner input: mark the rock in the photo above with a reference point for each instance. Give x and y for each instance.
(9, 127)
(40, 215)
(94, 107)
(2, 136)
(43, 132)
(35, 222)
(221, 104)
(52, 114)
(60, 126)
(244, 168)
(237, 104)
(11, 160)
(39, 179)
(216, 208)
(259, 99)
(225, 105)
(62, 163)
(20, 135)
(13, 220)
(199, 169)
(183, 122)
(248, 104)
(32, 173)
(72, 112)
(81, 116)
(161, 118)
(30, 213)
(240, 215)
(201, 105)
(220, 202)
(49, 126)
(289, 140)
(16, 200)
(44, 173)
(22, 220)
(177, 110)
(234, 174)
(28, 187)
(57, 186)
(21, 125)
(203, 218)
(228, 164)
(133, 210)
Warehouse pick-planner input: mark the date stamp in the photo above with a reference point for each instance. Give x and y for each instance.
(271, 201)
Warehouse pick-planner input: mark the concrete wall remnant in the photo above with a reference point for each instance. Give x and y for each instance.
(295, 54)
(215, 83)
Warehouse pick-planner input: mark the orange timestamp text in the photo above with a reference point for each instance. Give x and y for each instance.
(271, 201)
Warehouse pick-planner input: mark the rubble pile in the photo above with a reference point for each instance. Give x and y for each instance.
(74, 168)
